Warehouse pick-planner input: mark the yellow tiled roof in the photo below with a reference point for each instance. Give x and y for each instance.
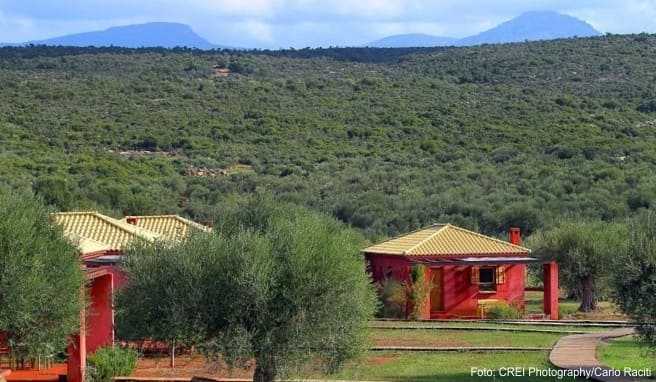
(169, 226)
(93, 232)
(445, 240)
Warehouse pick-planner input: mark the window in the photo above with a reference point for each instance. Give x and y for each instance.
(487, 280)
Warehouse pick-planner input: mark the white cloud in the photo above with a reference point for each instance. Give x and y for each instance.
(236, 7)
(258, 30)
(299, 23)
(366, 8)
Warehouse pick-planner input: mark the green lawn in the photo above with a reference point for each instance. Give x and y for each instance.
(534, 304)
(626, 352)
(449, 366)
(568, 309)
(457, 338)
(475, 324)
(442, 367)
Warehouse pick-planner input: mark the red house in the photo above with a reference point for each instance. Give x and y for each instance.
(468, 271)
(101, 240)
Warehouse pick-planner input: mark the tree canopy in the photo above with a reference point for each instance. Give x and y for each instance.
(387, 140)
(586, 253)
(276, 284)
(635, 276)
(40, 279)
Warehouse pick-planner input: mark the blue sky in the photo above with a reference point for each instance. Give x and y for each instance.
(300, 23)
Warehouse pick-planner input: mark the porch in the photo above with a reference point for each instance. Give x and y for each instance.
(468, 287)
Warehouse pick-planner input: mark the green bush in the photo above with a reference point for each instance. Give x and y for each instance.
(393, 299)
(635, 277)
(420, 291)
(40, 279)
(503, 310)
(109, 362)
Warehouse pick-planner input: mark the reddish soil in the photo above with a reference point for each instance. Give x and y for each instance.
(187, 366)
(44, 375)
(380, 359)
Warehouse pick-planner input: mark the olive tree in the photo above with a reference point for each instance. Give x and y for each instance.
(585, 252)
(274, 284)
(635, 276)
(40, 279)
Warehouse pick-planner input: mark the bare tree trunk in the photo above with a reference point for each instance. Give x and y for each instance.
(265, 369)
(588, 298)
(173, 354)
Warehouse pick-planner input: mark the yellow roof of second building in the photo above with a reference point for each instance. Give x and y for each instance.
(445, 240)
(95, 232)
(170, 226)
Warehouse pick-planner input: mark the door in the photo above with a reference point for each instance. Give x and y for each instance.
(436, 294)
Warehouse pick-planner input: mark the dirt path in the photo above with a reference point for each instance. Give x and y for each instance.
(579, 352)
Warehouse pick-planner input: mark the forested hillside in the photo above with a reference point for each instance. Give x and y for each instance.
(386, 140)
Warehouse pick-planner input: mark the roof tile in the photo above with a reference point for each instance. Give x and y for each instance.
(445, 240)
(170, 226)
(93, 232)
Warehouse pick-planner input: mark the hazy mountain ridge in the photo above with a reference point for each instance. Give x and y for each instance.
(529, 26)
(156, 34)
(413, 40)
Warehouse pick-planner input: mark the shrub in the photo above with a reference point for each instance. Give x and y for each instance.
(40, 279)
(635, 277)
(393, 299)
(648, 106)
(419, 290)
(109, 362)
(503, 310)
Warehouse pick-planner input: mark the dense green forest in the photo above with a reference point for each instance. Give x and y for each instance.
(384, 139)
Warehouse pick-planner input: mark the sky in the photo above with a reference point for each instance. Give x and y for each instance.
(301, 23)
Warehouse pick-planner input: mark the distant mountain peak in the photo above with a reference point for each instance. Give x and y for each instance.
(153, 34)
(412, 40)
(529, 26)
(533, 26)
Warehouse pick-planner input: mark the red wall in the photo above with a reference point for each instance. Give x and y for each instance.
(97, 321)
(100, 313)
(460, 296)
(381, 265)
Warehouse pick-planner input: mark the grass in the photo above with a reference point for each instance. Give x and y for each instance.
(409, 366)
(474, 324)
(626, 352)
(438, 367)
(464, 338)
(568, 309)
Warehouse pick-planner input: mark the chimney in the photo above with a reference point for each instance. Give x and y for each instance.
(515, 236)
(132, 220)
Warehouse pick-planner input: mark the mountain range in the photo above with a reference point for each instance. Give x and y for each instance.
(529, 26)
(156, 34)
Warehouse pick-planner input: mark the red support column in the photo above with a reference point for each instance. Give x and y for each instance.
(100, 317)
(96, 324)
(551, 290)
(77, 352)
